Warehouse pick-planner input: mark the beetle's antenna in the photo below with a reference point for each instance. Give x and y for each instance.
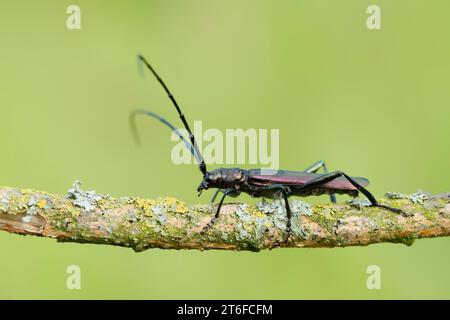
(135, 132)
(202, 164)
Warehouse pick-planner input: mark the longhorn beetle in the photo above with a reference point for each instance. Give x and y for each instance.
(274, 184)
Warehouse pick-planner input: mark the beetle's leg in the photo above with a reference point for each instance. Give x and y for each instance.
(226, 192)
(215, 196)
(288, 214)
(327, 177)
(314, 168)
(211, 222)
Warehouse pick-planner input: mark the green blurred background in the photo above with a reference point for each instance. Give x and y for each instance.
(371, 103)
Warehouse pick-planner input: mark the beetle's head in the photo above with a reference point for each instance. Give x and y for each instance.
(211, 179)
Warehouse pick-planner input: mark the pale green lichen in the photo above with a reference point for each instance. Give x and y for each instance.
(276, 209)
(300, 207)
(266, 207)
(88, 200)
(297, 227)
(417, 197)
(261, 225)
(31, 211)
(359, 203)
(395, 195)
(4, 202)
(243, 225)
(159, 212)
(431, 204)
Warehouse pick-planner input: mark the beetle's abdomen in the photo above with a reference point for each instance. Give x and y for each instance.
(260, 177)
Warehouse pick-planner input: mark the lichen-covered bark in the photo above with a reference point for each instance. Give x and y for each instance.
(87, 217)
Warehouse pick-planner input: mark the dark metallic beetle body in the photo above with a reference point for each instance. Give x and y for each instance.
(253, 182)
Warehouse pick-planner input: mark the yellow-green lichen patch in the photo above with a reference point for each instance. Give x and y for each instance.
(175, 205)
(15, 201)
(430, 215)
(145, 206)
(326, 216)
(41, 203)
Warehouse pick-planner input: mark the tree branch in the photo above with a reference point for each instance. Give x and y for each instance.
(87, 217)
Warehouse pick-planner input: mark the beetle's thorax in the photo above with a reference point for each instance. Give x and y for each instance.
(224, 178)
(232, 178)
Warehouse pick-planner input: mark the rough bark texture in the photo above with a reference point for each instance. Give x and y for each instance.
(87, 217)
